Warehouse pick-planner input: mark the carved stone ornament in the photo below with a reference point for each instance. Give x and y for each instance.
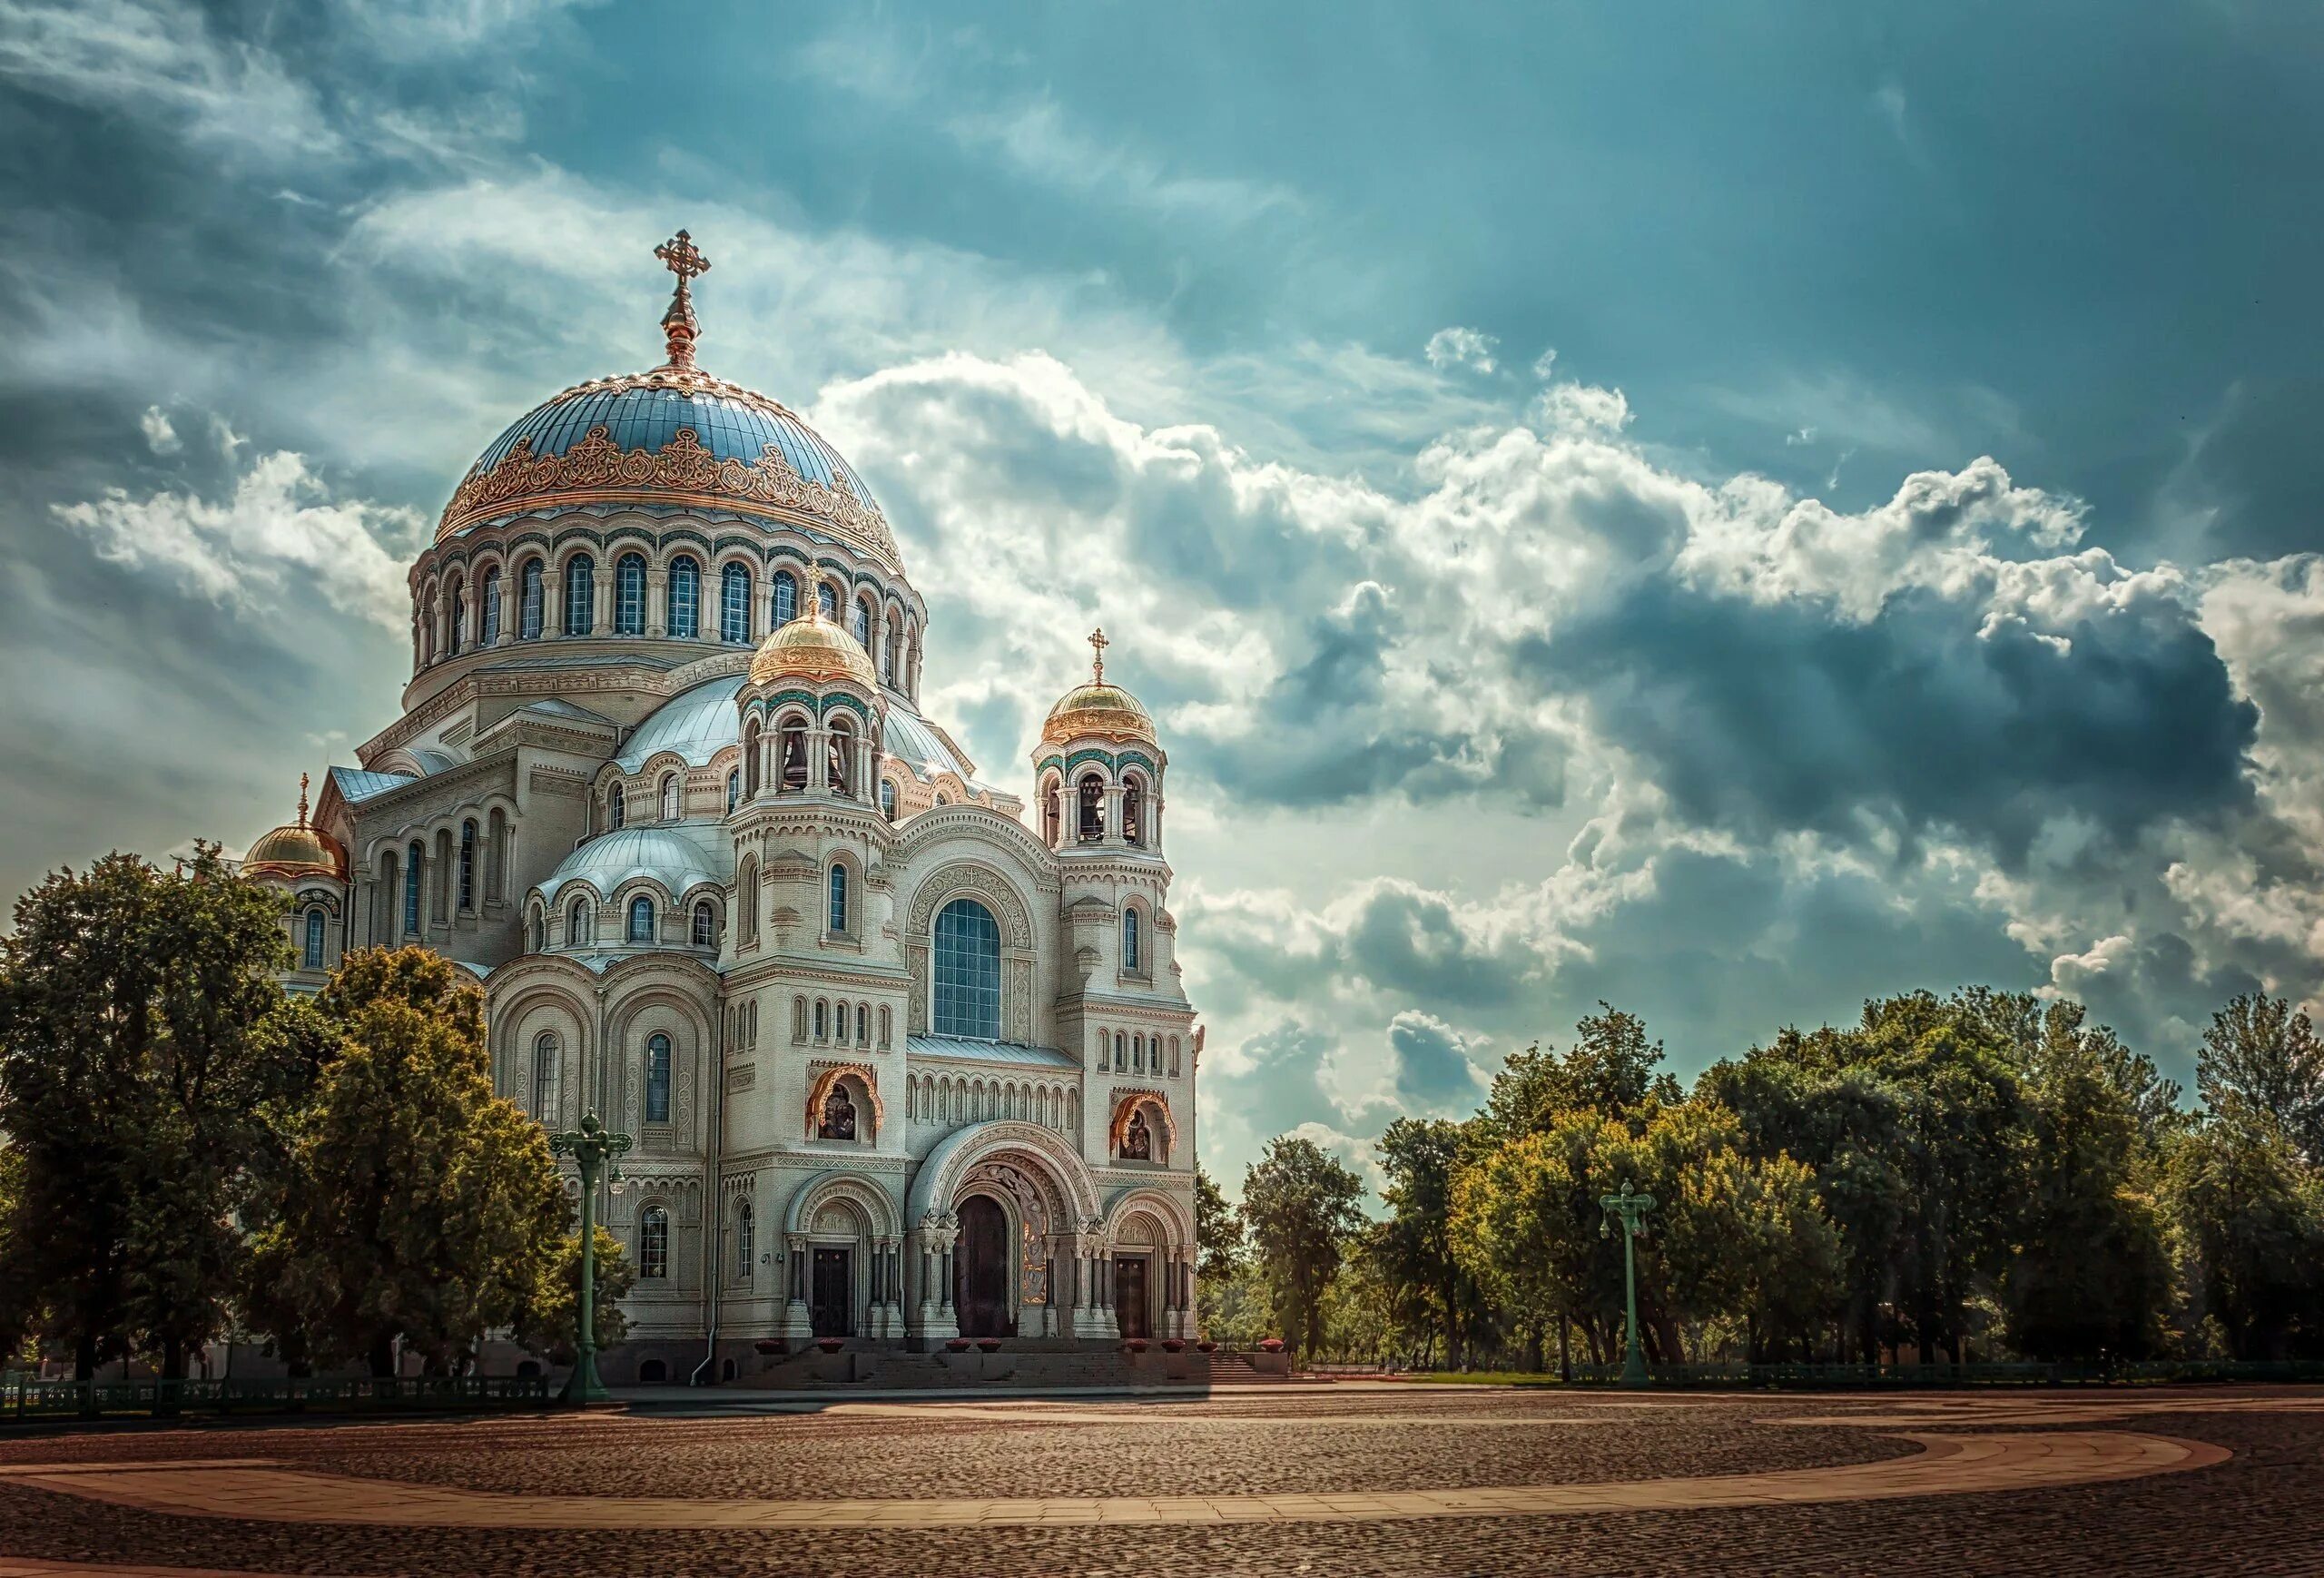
(972, 881)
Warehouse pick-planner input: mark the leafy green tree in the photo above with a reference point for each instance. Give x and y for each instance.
(1218, 1230)
(19, 1306)
(1524, 1226)
(1610, 1069)
(141, 1032)
(548, 1319)
(2252, 1225)
(1411, 1252)
(421, 1206)
(1300, 1207)
(2262, 1053)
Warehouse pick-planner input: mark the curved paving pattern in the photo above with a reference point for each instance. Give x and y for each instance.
(1947, 1465)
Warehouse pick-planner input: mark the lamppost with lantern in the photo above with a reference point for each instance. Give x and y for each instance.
(593, 1148)
(1631, 1208)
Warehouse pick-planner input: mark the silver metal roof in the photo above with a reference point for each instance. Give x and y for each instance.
(964, 1049)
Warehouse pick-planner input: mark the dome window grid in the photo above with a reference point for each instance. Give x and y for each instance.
(685, 598)
(490, 600)
(580, 594)
(785, 602)
(629, 595)
(641, 920)
(734, 604)
(657, 1078)
(532, 600)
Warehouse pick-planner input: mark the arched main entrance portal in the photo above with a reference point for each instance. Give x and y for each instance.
(980, 1268)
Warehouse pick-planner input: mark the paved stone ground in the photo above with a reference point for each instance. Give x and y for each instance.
(1404, 1480)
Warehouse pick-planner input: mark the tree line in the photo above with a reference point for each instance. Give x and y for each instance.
(1982, 1176)
(187, 1152)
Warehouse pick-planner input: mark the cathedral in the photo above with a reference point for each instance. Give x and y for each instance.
(898, 1067)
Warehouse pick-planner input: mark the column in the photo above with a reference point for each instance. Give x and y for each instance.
(796, 1322)
(601, 600)
(819, 744)
(657, 601)
(508, 606)
(1113, 814)
(552, 601)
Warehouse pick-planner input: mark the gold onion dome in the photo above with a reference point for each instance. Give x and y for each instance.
(1097, 707)
(812, 648)
(294, 849)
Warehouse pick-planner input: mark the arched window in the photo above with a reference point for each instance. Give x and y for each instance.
(888, 798)
(489, 624)
(685, 598)
(858, 623)
(746, 899)
(889, 648)
(576, 924)
(459, 604)
(745, 1242)
(528, 601)
(1049, 795)
(1138, 1054)
(787, 598)
(968, 971)
(540, 930)
(657, 1078)
(580, 594)
(1130, 957)
(629, 595)
(617, 807)
(839, 764)
(734, 789)
(547, 1075)
(705, 926)
(1134, 811)
(862, 1024)
(311, 955)
(412, 858)
(669, 797)
(641, 919)
(793, 757)
(653, 1243)
(822, 1019)
(838, 1118)
(734, 604)
(468, 865)
(827, 599)
(1092, 825)
(838, 916)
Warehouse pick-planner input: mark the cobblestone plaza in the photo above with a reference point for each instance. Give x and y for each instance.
(1352, 1479)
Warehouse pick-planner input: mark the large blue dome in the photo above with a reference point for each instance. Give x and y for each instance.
(671, 436)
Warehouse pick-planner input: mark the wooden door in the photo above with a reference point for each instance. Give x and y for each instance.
(832, 1293)
(1129, 1295)
(980, 1269)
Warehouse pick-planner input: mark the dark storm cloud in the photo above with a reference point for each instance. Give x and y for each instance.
(1770, 718)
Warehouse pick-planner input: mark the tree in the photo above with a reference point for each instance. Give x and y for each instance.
(19, 1307)
(549, 1320)
(421, 1206)
(141, 1032)
(1218, 1230)
(1524, 1227)
(2253, 1230)
(2263, 1054)
(1610, 1069)
(1300, 1207)
(1429, 1292)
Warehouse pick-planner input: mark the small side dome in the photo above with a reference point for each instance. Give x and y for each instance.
(1097, 707)
(813, 648)
(295, 849)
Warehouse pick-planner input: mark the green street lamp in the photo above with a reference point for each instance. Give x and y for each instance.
(1629, 1206)
(592, 1148)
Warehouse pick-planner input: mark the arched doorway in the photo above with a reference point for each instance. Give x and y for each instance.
(980, 1269)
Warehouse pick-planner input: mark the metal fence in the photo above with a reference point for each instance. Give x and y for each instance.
(1841, 1377)
(30, 1399)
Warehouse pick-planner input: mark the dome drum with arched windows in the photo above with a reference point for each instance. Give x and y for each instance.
(677, 807)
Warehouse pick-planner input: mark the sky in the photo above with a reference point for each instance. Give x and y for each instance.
(1725, 510)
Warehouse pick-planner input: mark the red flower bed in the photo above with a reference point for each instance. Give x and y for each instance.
(1174, 1345)
(772, 1345)
(1272, 1345)
(990, 1344)
(831, 1345)
(1206, 1346)
(1136, 1344)
(957, 1344)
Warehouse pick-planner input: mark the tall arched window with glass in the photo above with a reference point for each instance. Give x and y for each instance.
(705, 926)
(1133, 810)
(734, 789)
(685, 598)
(967, 972)
(860, 623)
(745, 1242)
(488, 613)
(888, 798)
(641, 919)
(654, 1244)
(616, 808)
(580, 594)
(734, 604)
(670, 798)
(839, 899)
(827, 599)
(1132, 956)
(629, 595)
(411, 859)
(576, 924)
(657, 1078)
(787, 598)
(459, 604)
(311, 953)
(468, 865)
(530, 601)
(540, 930)
(547, 1070)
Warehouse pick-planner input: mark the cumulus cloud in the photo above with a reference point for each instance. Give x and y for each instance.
(1463, 348)
(161, 437)
(280, 536)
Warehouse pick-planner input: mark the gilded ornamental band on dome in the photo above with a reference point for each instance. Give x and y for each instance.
(899, 1067)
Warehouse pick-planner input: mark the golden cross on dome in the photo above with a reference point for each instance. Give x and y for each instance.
(302, 799)
(1097, 645)
(683, 259)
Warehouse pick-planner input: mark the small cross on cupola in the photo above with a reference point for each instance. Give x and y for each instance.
(1097, 645)
(683, 259)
